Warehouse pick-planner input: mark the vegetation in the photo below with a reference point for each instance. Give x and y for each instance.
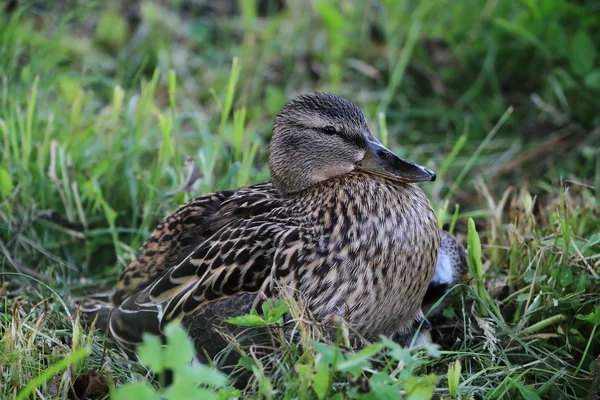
(113, 113)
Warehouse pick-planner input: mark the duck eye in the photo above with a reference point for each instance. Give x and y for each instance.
(329, 129)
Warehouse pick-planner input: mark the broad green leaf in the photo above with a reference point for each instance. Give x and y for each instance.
(320, 379)
(433, 350)
(381, 387)
(356, 362)
(420, 392)
(180, 347)
(329, 353)
(135, 391)
(228, 393)
(398, 352)
(592, 80)
(303, 369)
(592, 318)
(273, 312)
(189, 391)
(420, 388)
(582, 53)
(201, 374)
(530, 276)
(380, 377)
(150, 353)
(380, 391)
(565, 276)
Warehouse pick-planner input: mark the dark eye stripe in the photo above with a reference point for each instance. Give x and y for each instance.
(357, 141)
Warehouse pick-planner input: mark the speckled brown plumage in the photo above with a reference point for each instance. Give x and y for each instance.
(451, 268)
(176, 236)
(341, 227)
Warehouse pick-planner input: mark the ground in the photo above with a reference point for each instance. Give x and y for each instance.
(112, 115)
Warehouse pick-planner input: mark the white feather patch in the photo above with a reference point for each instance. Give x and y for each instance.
(444, 272)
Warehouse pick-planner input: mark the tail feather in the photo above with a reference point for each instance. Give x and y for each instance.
(450, 270)
(97, 306)
(143, 320)
(117, 322)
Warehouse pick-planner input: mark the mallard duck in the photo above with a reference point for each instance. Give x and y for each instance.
(342, 226)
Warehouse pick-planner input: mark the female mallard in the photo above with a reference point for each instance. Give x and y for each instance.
(342, 224)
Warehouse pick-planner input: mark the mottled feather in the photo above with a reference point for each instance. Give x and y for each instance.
(180, 232)
(347, 243)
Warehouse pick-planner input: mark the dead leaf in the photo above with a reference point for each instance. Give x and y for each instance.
(90, 386)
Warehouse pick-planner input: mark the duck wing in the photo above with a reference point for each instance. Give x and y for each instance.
(251, 235)
(179, 233)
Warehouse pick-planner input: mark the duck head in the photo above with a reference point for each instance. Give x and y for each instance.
(320, 136)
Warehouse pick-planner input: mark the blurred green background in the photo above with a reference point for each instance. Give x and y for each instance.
(438, 72)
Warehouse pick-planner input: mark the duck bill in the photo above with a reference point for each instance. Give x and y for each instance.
(380, 161)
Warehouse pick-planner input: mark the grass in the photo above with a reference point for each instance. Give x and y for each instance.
(111, 116)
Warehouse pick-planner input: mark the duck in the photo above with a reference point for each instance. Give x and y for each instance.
(342, 226)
